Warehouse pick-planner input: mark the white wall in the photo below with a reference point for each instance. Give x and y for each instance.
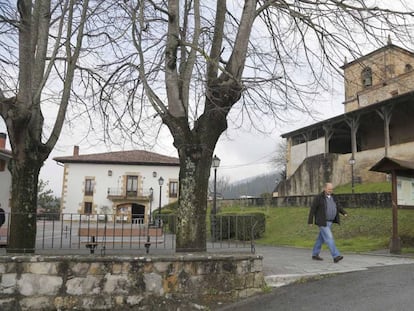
(75, 174)
(5, 189)
(298, 153)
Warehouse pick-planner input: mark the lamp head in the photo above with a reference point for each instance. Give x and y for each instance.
(216, 162)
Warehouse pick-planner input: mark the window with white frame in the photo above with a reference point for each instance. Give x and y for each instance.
(173, 189)
(89, 183)
(132, 186)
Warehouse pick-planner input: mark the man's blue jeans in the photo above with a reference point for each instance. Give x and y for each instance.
(325, 235)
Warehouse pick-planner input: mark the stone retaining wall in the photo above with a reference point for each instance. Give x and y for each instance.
(356, 200)
(186, 282)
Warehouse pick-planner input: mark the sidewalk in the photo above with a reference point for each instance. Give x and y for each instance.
(284, 265)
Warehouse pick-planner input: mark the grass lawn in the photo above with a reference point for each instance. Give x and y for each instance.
(364, 230)
(364, 188)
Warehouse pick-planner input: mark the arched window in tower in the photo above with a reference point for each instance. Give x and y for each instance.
(366, 77)
(408, 67)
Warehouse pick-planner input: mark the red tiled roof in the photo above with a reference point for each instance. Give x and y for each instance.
(132, 157)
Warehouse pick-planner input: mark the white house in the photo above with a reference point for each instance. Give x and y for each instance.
(5, 176)
(127, 185)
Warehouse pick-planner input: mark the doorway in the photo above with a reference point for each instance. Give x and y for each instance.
(138, 213)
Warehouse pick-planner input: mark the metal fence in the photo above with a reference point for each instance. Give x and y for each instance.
(109, 234)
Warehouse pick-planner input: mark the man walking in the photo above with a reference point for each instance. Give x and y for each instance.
(324, 212)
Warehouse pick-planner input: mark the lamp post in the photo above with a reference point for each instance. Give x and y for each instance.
(352, 163)
(151, 197)
(215, 164)
(160, 182)
(148, 243)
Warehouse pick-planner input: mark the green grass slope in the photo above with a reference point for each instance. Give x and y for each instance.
(364, 229)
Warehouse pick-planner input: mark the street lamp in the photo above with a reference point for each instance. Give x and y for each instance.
(160, 182)
(148, 243)
(215, 164)
(151, 197)
(352, 163)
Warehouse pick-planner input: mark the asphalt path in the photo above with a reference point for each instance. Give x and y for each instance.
(387, 288)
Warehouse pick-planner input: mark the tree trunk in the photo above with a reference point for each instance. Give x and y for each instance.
(195, 150)
(191, 214)
(25, 173)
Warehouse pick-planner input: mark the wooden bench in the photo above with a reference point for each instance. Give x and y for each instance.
(100, 235)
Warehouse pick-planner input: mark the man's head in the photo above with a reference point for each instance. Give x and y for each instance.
(328, 188)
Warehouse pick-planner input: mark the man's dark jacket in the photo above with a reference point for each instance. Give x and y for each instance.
(2, 217)
(318, 210)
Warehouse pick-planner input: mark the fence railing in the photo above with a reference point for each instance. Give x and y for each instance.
(109, 234)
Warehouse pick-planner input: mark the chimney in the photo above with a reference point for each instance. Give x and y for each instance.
(3, 137)
(75, 151)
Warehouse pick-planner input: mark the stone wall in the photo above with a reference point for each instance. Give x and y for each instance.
(187, 282)
(312, 174)
(357, 200)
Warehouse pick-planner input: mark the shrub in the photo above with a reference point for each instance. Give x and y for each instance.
(168, 217)
(171, 206)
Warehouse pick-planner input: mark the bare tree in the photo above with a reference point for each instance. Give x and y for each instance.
(222, 184)
(200, 64)
(40, 48)
(280, 159)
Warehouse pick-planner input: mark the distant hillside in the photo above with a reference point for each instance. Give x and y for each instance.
(254, 186)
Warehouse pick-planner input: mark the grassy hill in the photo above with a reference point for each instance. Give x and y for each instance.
(364, 230)
(255, 186)
(364, 188)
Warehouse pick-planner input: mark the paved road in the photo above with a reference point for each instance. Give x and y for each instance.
(387, 288)
(362, 282)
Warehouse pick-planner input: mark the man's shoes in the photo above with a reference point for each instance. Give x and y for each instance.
(338, 258)
(317, 257)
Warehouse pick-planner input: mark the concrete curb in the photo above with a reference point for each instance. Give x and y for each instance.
(286, 279)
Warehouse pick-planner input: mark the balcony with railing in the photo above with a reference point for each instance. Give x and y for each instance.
(119, 194)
